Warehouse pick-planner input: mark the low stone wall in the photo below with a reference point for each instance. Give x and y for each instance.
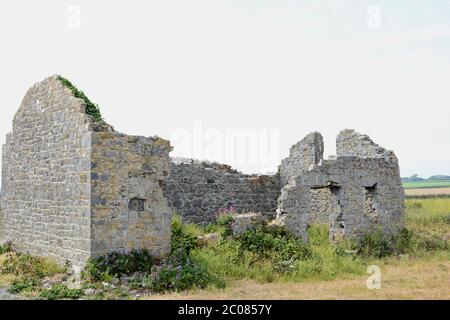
(197, 190)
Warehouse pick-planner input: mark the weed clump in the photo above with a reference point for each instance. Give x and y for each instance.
(24, 285)
(26, 266)
(182, 238)
(61, 291)
(178, 272)
(379, 245)
(5, 247)
(119, 262)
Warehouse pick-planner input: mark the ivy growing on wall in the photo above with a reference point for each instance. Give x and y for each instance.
(91, 108)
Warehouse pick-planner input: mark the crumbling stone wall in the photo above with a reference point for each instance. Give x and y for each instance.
(197, 190)
(303, 155)
(351, 143)
(358, 193)
(72, 188)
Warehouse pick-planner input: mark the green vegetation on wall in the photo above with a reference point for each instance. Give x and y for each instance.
(91, 108)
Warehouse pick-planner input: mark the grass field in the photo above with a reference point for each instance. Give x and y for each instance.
(425, 184)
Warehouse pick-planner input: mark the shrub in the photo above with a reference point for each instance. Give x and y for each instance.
(380, 245)
(23, 265)
(138, 280)
(376, 245)
(91, 108)
(178, 272)
(410, 242)
(61, 291)
(224, 221)
(181, 237)
(119, 262)
(274, 242)
(23, 285)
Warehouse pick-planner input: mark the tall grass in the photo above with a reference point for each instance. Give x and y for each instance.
(320, 259)
(266, 255)
(429, 215)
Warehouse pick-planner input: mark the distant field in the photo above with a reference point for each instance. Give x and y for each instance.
(425, 184)
(425, 192)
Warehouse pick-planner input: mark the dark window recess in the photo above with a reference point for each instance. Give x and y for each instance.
(371, 189)
(136, 204)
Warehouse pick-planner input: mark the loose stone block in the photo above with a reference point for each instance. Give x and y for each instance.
(244, 222)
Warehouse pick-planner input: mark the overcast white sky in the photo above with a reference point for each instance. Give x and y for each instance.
(282, 67)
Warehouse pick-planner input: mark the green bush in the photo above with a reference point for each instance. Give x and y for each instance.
(178, 272)
(182, 238)
(274, 242)
(410, 242)
(23, 285)
(224, 221)
(381, 245)
(376, 245)
(61, 291)
(91, 108)
(119, 262)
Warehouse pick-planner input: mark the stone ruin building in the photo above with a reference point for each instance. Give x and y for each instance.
(73, 188)
(358, 192)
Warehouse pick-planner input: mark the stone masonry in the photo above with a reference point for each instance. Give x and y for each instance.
(197, 190)
(303, 155)
(358, 193)
(73, 188)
